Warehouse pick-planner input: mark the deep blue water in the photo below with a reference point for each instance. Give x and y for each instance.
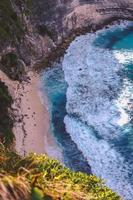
(100, 139)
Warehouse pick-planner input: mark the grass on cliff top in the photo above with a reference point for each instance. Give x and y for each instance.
(37, 177)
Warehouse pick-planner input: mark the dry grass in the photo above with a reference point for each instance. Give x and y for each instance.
(37, 177)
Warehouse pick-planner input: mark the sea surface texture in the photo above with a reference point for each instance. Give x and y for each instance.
(54, 84)
(94, 98)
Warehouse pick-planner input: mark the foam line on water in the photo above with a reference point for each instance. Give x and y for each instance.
(104, 160)
(93, 85)
(53, 82)
(96, 114)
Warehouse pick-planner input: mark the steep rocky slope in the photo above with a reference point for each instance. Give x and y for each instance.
(33, 29)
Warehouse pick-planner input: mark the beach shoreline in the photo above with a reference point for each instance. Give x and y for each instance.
(32, 121)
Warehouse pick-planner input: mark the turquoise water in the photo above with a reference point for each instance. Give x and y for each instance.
(121, 41)
(124, 143)
(56, 87)
(116, 38)
(125, 43)
(91, 103)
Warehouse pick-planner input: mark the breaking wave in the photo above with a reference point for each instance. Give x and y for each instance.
(100, 104)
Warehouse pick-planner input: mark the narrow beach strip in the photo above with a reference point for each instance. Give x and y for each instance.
(32, 122)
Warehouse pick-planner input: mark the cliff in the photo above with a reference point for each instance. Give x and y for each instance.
(33, 29)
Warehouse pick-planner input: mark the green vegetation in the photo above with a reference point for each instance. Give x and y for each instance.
(11, 65)
(29, 3)
(6, 123)
(45, 30)
(11, 27)
(37, 177)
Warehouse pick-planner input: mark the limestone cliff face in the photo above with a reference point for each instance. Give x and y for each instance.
(46, 23)
(62, 17)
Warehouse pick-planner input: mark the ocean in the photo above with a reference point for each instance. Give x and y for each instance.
(90, 94)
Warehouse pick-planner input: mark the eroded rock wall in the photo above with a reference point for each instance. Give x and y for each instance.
(46, 23)
(62, 17)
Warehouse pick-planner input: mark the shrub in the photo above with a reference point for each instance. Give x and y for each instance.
(43, 178)
(11, 27)
(6, 123)
(11, 65)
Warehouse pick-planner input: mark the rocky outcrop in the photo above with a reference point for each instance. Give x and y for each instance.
(43, 25)
(63, 17)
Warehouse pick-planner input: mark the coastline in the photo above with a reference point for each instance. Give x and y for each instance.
(32, 122)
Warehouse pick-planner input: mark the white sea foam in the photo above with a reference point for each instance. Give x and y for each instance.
(124, 57)
(105, 162)
(94, 99)
(93, 83)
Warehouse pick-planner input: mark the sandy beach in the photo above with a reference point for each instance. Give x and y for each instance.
(32, 123)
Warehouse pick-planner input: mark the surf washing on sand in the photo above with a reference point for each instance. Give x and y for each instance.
(91, 100)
